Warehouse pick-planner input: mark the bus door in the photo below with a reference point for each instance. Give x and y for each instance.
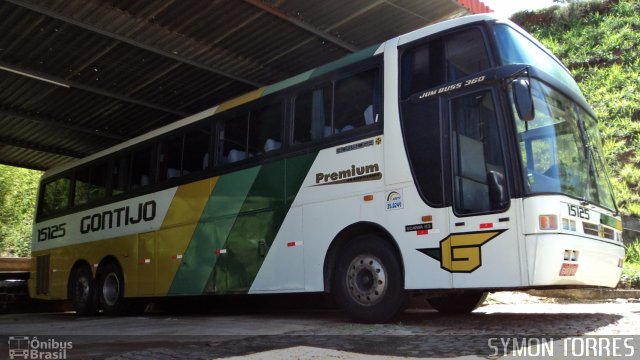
(482, 248)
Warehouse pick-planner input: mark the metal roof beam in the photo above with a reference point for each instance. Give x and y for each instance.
(58, 124)
(34, 6)
(360, 12)
(42, 148)
(73, 84)
(301, 24)
(23, 165)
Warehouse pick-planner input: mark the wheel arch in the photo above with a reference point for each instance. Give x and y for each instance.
(347, 235)
(107, 259)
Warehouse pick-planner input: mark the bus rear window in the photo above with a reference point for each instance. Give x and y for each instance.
(56, 196)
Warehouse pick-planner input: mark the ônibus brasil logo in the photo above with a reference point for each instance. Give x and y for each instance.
(25, 347)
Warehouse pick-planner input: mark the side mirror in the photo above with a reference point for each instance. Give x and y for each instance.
(523, 99)
(498, 196)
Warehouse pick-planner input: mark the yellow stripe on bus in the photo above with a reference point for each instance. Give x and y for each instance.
(177, 229)
(240, 100)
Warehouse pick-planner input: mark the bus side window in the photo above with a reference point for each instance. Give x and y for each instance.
(443, 60)
(120, 174)
(312, 115)
(56, 196)
(91, 184)
(142, 166)
(354, 105)
(265, 129)
(82, 188)
(170, 157)
(196, 149)
(233, 140)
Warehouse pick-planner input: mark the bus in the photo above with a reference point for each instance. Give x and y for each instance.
(452, 161)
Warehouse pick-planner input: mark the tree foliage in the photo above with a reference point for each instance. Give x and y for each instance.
(18, 189)
(599, 42)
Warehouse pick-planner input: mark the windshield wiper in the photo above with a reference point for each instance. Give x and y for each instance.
(587, 143)
(591, 166)
(587, 196)
(600, 170)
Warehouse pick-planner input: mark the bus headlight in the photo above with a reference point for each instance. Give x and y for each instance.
(548, 222)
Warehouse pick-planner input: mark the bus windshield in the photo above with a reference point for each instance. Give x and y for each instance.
(561, 149)
(515, 48)
(560, 146)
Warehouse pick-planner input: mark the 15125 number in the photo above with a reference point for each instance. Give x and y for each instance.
(578, 211)
(52, 232)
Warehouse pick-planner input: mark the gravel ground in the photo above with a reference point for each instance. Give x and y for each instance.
(307, 334)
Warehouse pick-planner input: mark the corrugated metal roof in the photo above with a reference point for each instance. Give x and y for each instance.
(119, 68)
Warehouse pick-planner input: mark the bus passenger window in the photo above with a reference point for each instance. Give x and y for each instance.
(354, 101)
(99, 177)
(196, 149)
(170, 157)
(265, 129)
(91, 184)
(56, 196)
(312, 115)
(233, 140)
(142, 168)
(120, 174)
(82, 188)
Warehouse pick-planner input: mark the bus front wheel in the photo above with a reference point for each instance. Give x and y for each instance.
(367, 281)
(462, 303)
(83, 292)
(111, 289)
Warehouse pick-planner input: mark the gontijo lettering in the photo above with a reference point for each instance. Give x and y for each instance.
(118, 217)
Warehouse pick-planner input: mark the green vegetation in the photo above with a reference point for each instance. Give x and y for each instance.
(18, 188)
(631, 272)
(599, 42)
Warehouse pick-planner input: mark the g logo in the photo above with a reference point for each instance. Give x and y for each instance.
(461, 253)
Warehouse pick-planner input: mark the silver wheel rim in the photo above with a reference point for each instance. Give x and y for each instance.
(366, 280)
(111, 289)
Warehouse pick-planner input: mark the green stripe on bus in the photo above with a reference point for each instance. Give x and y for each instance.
(257, 225)
(287, 83)
(212, 231)
(349, 59)
(345, 61)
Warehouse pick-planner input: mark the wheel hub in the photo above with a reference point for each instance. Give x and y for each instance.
(111, 289)
(366, 280)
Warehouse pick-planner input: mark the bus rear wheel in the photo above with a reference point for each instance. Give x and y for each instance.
(83, 292)
(367, 281)
(111, 289)
(461, 303)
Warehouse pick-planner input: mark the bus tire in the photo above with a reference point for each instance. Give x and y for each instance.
(462, 303)
(83, 292)
(367, 281)
(111, 289)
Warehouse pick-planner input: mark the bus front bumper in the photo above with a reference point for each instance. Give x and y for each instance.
(561, 259)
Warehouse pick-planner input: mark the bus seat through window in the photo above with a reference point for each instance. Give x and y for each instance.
(271, 145)
(368, 115)
(236, 155)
